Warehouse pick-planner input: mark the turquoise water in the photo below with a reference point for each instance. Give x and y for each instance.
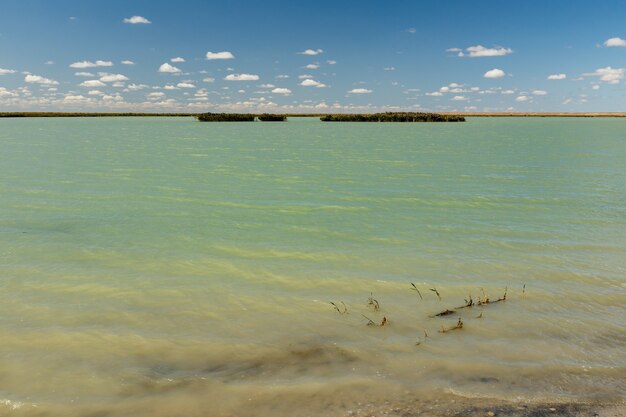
(162, 266)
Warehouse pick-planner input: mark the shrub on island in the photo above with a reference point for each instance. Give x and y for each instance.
(393, 117)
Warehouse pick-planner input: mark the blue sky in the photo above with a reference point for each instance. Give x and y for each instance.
(288, 56)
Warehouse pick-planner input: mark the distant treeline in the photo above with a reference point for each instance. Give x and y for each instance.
(393, 117)
(62, 114)
(240, 117)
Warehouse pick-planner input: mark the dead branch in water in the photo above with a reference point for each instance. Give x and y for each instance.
(445, 312)
(486, 300)
(468, 303)
(459, 325)
(371, 322)
(418, 291)
(345, 309)
(371, 301)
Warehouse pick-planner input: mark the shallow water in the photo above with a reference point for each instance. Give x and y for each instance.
(161, 266)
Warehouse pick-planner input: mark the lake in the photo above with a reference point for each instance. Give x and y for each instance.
(163, 266)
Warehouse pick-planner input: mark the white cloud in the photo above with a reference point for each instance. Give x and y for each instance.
(521, 99)
(480, 51)
(389, 68)
(4, 71)
(38, 79)
(311, 52)
(74, 99)
(95, 93)
(435, 94)
(444, 89)
(282, 76)
(219, 55)
(304, 76)
(595, 87)
(540, 92)
(454, 50)
(557, 77)
(312, 83)
(312, 66)
(170, 87)
(49, 63)
(135, 87)
(508, 92)
(459, 98)
(137, 20)
(156, 95)
(615, 42)
(267, 86)
(6, 93)
(177, 59)
(241, 77)
(185, 85)
(411, 30)
(89, 64)
(608, 74)
(92, 83)
(330, 62)
(84, 74)
(127, 62)
(359, 91)
(208, 79)
(494, 73)
(167, 68)
(110, 78)
(279, 90)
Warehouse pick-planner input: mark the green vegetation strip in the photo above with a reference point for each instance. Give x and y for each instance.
(393, 117)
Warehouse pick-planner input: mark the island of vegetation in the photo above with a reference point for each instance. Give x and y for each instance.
(393, 117)
(241, 117)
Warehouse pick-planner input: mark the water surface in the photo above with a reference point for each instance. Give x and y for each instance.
(161, 266)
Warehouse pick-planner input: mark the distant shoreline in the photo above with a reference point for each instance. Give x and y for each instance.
(463, 114)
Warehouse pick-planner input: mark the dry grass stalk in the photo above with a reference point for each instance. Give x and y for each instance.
(459, 325)
(436, 292)
(418, 291)
(341, 311)
(372, 302)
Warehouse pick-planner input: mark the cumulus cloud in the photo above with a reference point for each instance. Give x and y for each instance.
(134, 20)
(127, 62)
(167, 68)
(4, 71)
(38, 79)
(359, 91)
(279, 90)
(170, 87)
(479, 51)
(84, 74)
(89, 64)
(459, 98)
(267, 86)
(435, 94)
(521, 99)
(312, 83)
(557, 77)
(185, 85)
(311, 52)
(135, 87)
(608, 74)
(540, 92)
(92, 83)
(111, 78)
(177, 59)
(615, 42)
(282, 76)
(312, 66)
(219, 55)
(331, 62)
(241, 77)
(494, 73)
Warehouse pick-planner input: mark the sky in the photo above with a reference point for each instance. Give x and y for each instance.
(313, 57)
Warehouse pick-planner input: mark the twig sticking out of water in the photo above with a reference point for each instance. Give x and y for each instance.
(468, 303)
(340, 311)
(445, 312)
(370, 322)
(480, 316)
(436, 292)
(371, 301)
(459, 325)
(486, 300)
(524, 290)
(418, 291)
